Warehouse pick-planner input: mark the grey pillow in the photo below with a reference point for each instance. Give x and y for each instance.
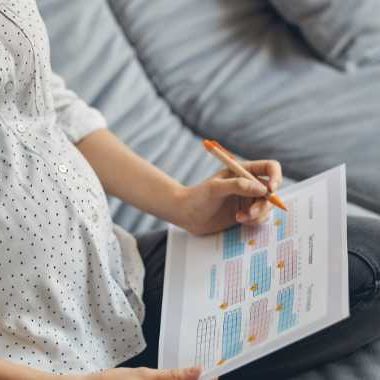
(345, 32)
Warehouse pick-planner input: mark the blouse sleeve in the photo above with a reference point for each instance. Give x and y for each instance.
(74, 116)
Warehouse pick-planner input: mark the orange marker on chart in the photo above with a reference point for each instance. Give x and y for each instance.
(220, 362)
(251, 339)
(224, 306)
(253, 288)
(230, 161)
(277, 222)
(279, 307)
(252, 242)
(281, 264)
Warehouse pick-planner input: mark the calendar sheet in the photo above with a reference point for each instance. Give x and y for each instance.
(236, 296)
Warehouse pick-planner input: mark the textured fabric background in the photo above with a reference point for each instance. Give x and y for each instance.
(345, 32)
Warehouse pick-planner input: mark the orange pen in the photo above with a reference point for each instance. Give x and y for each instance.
(229, 160)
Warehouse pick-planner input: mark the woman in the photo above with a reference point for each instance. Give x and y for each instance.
(71, 282)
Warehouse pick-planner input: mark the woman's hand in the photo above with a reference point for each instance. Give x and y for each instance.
(145, 374)
(224, 200)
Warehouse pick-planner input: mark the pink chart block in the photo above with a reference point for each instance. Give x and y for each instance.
(234, 291)
(257, 236)
(259, 321)
(287, 261)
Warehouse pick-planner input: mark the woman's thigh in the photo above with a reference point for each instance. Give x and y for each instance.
(332, 343)
(152, 247)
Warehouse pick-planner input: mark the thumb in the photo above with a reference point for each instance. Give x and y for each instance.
(240, 186)
(179, 374)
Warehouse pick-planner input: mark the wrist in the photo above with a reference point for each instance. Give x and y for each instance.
(179, 202)
(185, 209)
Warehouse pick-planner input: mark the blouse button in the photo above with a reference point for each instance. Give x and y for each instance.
(95, 217)
(9, 86)
(21, 128)
(63, 168)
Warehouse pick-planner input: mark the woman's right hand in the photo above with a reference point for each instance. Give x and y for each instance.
(145, 374)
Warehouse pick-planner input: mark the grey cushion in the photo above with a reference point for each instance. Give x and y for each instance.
(345, 32)
(236, 71)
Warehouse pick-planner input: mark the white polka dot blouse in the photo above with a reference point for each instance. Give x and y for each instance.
(70, 280)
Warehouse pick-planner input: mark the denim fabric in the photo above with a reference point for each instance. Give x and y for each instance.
(339, 340)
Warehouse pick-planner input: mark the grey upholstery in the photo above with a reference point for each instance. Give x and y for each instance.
(164, 72)
(344, 32)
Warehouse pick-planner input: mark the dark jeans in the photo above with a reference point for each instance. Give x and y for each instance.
(330, 344)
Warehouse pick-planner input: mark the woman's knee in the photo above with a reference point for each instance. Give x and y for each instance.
(364, 258)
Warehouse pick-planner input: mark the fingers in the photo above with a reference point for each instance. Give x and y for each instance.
(256, 213)
(238, 186)
(269, 168)
(170, 374)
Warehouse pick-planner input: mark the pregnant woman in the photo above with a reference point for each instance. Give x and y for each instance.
(74, 302)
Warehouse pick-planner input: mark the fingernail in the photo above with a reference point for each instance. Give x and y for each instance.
(263, 189)
(263, 220)
(241, 218)
(194, 372)
(254, 212)
(273, 186)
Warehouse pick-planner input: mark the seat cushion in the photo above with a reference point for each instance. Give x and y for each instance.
(237, 72)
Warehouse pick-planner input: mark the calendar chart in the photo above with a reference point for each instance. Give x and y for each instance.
(232, 243)
(232, 343)
(287, 261)
(285, 222)
(256, 236)
(235, 296)
(234, 291)
(260, 319)
(285, 305)
(206, 342)
(212, 290)
(260, 273)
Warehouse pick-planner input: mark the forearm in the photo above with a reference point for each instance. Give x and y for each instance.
(129, 177)
(11, 371)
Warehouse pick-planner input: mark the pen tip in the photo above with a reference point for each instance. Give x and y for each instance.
(277, 201)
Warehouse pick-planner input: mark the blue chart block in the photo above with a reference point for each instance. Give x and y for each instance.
(287, 318)
(260, 273)
(212, 282)
(232, 243)
(232, 343)
(281, 228)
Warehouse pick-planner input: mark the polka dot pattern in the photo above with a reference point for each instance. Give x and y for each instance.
(70, 280)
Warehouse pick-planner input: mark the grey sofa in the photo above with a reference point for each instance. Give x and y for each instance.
(266, 79)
